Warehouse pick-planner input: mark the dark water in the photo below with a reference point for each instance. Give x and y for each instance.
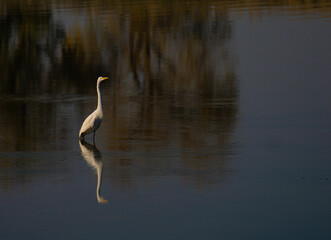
(217, 120)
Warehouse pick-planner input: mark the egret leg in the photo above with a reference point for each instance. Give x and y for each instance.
(81, 137)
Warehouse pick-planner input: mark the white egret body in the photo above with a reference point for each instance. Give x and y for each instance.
(93, 121)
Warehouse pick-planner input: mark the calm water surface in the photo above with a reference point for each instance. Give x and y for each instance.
(217, 120)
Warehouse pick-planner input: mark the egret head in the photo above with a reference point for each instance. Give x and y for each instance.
(100, 79)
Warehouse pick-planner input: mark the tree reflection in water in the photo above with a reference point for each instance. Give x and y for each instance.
(173, 75)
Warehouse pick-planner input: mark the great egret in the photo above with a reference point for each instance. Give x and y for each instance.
(93, 121)
(93, 157)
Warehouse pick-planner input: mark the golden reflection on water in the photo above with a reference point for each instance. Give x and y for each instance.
(173, 68)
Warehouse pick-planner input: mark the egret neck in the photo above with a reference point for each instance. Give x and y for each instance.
(99, 108)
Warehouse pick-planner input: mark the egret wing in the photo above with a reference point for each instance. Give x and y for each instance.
(88, 125)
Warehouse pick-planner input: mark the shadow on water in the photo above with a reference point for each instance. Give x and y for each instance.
(94, 158)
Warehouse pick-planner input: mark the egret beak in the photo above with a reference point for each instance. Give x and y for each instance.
(104, 78)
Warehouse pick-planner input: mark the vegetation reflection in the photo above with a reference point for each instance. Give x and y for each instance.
(173, 70)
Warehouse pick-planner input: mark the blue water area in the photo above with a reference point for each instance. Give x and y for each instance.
(216, 120)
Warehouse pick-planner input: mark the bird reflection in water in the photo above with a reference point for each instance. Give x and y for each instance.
(93, 157)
